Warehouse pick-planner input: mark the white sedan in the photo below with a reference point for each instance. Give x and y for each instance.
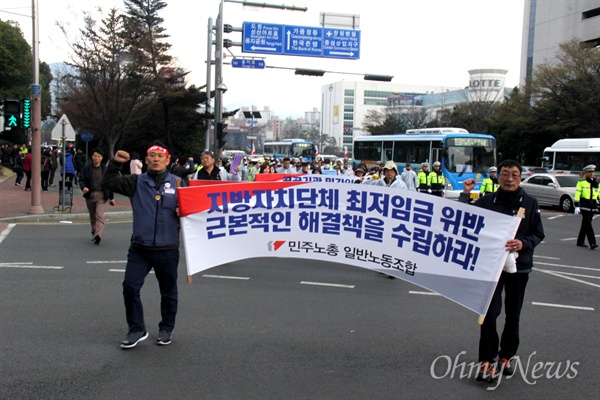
(552, 190)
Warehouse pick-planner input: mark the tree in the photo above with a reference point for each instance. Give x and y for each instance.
(473, 116)
(384, 122)
(16, 63)
(563, 100)
(184, 119)
(106, 93)
(566, 94)
(509, 123)
(124, 86)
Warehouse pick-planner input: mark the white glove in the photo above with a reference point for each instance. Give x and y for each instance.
(577, 211)
(510, 266)
(428, 190)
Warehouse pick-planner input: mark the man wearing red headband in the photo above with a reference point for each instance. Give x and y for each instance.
(155, 239)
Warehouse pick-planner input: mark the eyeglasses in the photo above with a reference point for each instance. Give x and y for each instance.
(506, 176)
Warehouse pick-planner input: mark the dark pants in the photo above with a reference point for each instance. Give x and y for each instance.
(514, 287)
(28, 181)
(19, 172)
(45, 176)
(139, 264)
(586, 228)
(52, 174)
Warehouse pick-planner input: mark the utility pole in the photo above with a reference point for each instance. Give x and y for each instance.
(36, 120)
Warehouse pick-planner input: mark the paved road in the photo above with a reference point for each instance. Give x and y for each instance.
(254, 330)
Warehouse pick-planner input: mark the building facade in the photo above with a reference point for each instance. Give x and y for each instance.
(345, 104)
(548, 23)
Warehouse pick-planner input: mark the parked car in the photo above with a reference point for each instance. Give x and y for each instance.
(528, 171)
(552, 190)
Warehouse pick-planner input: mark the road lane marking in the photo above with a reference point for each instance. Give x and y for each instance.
(121, 270)
(568, 266)
(107, 262)
(424, 293)
(558, 274)
(549, 258)
(579, 275)
(241, 278)
(6, 231)
(535, 303)
(574, 238)
(28, 265)
(556, 216)
(327, 284)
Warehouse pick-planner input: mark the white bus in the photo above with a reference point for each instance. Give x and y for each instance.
(292, 148)
(571, 155)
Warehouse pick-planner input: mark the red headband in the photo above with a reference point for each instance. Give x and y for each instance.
(158, 148)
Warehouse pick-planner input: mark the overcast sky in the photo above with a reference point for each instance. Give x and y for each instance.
(424, 42)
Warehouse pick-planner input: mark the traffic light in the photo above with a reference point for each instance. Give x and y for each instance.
(221, 135)
(309, 72)
(26, 113)
(12, 112)
(381, 78)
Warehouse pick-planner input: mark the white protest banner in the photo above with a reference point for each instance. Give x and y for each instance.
(454, 249)
(304, 178)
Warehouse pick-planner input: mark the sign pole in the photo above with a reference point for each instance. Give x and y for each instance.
(208, 86)
(218, 108)
(64, 166)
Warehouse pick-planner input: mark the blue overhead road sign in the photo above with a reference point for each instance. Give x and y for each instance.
(244, 63)
(262, 38)
(303, 41)
(294, 40)
(341, 43)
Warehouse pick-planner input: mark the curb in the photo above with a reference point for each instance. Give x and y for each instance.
(118, 216)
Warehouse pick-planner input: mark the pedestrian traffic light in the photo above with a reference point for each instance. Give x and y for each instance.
(221, 135)
(26, 113)
(12, 112)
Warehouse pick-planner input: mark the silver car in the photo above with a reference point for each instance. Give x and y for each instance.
(552, 190)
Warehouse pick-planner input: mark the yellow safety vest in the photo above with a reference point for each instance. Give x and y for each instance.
(488, 186)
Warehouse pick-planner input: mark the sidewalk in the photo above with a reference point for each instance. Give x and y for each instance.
(15, 204)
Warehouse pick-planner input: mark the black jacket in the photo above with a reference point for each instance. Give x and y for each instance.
(86, 180)
(530, 232)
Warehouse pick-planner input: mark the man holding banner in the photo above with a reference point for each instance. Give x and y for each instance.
(509, 198)
(154, 242)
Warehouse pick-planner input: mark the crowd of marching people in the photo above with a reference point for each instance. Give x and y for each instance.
(248, 168)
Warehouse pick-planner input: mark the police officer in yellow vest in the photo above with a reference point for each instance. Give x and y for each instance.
(436, 180)
(586, 203)
(423, 185)
(490, 183)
